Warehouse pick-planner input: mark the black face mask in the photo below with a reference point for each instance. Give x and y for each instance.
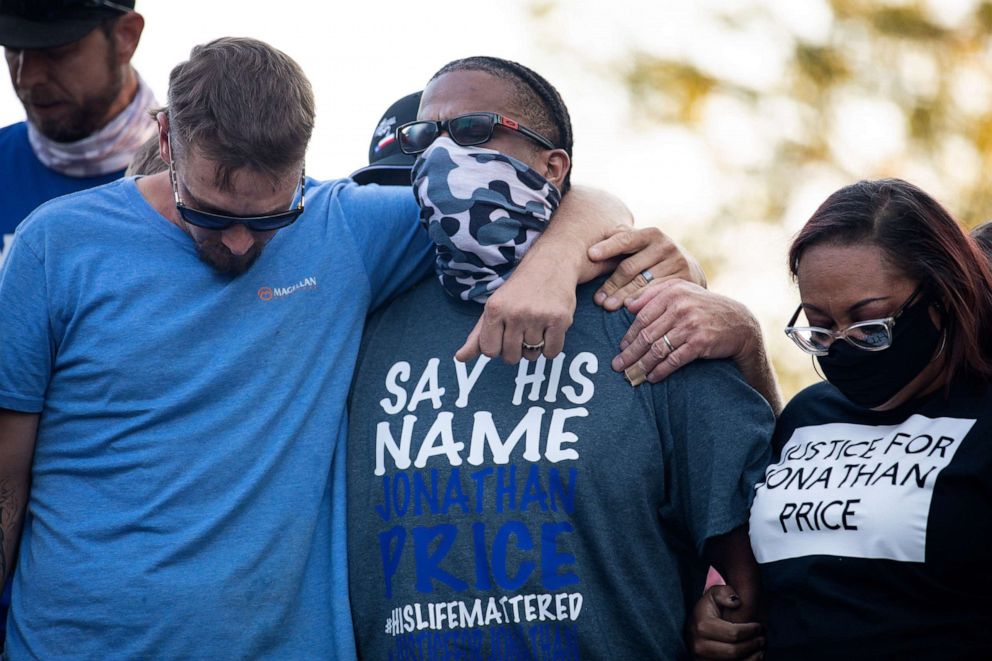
(871, 378)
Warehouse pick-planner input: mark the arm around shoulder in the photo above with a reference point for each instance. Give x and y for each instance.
(590, 232)
(536, 303)
(384, 223)
(678, 322)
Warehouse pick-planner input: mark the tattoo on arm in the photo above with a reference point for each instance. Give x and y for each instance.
(8, 513)
(3, 554)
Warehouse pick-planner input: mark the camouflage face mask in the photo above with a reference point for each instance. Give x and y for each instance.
(483, 210)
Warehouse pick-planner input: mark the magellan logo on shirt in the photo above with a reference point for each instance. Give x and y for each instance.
(269, 293)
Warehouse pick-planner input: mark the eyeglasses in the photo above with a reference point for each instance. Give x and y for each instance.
(219, 221)
(869, 335)
(466, 130)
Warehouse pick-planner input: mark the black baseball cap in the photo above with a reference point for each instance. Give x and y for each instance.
(51, 23)
(388, 166)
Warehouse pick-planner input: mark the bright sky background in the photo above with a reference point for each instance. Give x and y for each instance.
(361, 56)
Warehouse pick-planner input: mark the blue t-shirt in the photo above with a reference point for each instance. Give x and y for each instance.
(26, 183)
(188, 478)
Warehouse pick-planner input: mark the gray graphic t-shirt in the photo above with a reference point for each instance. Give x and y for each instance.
(545, 510)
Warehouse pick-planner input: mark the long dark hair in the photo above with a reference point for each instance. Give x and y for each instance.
(921, 239)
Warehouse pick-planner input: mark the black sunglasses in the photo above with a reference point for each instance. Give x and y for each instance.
(219, 221)
(475, 128)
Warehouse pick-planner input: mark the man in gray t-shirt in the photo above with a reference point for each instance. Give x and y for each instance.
(545, 509)
(542, 510)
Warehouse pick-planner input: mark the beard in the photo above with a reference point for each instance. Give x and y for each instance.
(218, 256)
(79, 119)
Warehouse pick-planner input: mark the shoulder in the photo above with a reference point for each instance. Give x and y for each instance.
(422, 317)
(426, 304)
(14, 145)
(814, 395)
(710, 380)
(425, 300)
(92, 206)
(14, 132)
(591, 319)
(363, 201)
(588, 315)
(964, 399)
(820, 403)
(85, 201)
(364, 208)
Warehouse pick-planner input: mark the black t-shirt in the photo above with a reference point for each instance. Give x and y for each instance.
(874, 529)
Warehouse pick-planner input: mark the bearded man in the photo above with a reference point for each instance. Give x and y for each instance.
(86, 106)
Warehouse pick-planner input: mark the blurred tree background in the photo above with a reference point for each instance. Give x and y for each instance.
(786, 101)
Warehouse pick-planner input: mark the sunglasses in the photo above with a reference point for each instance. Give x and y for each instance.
(475, 128)
(219, 221)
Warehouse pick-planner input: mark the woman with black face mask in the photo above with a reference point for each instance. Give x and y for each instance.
(872, 525)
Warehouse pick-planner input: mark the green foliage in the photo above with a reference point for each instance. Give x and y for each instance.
(668, 90)
(983, 17)
(896, 58)
(822, 66)
(903, 23)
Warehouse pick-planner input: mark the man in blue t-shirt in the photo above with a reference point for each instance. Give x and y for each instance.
(86, 106)
(70, 65)
(175, 355)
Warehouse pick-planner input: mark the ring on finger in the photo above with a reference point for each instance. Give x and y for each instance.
(646, 274)
(668, 343)
(532, 347)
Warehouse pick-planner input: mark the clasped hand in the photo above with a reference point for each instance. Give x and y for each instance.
(536, 305)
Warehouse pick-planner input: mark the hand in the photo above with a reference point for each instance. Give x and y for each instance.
(650, 250)
(713, 637)
(532, 306)
(697, 323)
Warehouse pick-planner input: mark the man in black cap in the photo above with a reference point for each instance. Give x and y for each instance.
(70, 64)
(388, 165)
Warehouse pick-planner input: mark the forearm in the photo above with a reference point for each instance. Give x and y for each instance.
(586, 216)
(12, 503)
(17, 436)
(757, 370)
(731, 555)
